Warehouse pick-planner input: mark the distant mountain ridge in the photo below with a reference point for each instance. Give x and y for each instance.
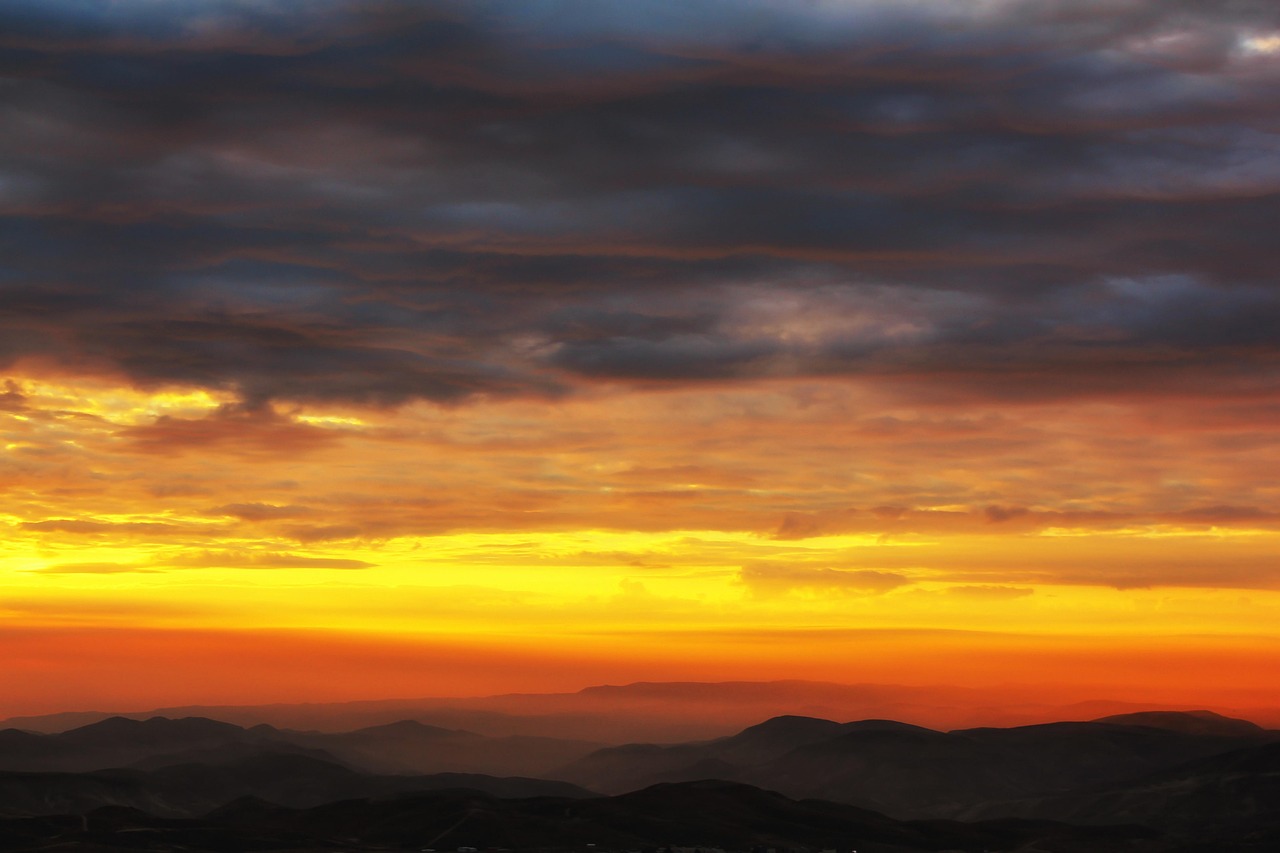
(407, 747)
(1188, 722)
(657, 711)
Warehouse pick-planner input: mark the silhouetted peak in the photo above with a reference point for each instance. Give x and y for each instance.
(885, 726)
(110, 725)
(790, 727)
(413, 728)
(1186, 722)
(18, 736)
(128, 724)
(882, 733)
(688, 793)
(118, 731)
(192, 725)
(1058, 729)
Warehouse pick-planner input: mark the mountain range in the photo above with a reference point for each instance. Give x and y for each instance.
(665, 712)
(913, 772)
(405, 747)
(1146, 781)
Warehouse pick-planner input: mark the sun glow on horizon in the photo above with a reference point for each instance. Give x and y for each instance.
(846, 341)
(308, 542)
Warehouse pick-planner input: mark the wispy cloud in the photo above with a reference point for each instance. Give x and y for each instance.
(213, 559)
(764, 579)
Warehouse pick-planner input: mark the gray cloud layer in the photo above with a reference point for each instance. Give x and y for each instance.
(381, 202)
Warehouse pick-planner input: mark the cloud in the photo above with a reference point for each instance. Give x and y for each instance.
(771, 579)
(997, 514)
(1227, 515)
(93, 568)
(307, 534)
(263, 560)
(232, 429)
(260, 511)
(89, 527)
(990, 591)
(12, 400)
(1012, 520)
(378, 204)
(798, 525)
(213, 560)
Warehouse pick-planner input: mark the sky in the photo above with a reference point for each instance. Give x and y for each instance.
(377, 349)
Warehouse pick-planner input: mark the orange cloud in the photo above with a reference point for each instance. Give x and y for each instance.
(232, 429)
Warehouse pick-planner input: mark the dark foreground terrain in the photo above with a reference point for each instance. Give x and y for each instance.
(1144, 783)
(701, 814)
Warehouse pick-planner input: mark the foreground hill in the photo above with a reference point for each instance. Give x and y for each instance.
(1241, 787)
(703, 814)
(188, 790)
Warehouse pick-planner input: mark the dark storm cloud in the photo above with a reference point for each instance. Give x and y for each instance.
(381, 202)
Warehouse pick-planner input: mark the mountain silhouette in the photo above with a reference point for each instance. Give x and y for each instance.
(1240, 787)
(404, 747)
(1144, 782)
(913, 772)
(1187, 722)
(287, 779)
(660, 712)
(708, 814)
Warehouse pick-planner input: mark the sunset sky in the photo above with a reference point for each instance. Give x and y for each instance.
(388, 348)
